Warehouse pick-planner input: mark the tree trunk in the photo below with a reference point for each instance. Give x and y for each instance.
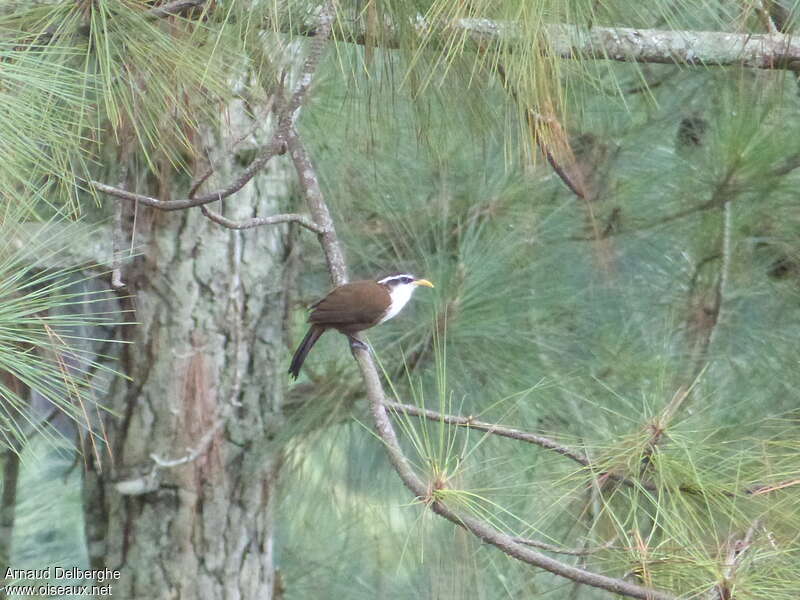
(206, 386)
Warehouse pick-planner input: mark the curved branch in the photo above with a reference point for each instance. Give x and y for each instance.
(275, 147)
(301, 220)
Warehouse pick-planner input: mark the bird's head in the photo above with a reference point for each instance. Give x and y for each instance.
(401, 287)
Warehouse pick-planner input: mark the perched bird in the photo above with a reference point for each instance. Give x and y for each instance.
(356, 306)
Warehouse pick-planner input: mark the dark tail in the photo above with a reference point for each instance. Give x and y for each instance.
(302, 350)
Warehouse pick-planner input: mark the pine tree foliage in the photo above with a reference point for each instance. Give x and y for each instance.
(46, 313)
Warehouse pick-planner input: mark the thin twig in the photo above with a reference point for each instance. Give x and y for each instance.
(502, 431)
(737, 548)
(766, 489)
(724, 268)
(274, 148)
(707, 325)
(301, 220)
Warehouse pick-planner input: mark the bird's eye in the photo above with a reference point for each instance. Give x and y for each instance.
(406, 280)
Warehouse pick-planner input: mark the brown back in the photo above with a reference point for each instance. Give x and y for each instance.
(352, 307)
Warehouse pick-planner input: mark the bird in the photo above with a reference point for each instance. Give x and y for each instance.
(354, 307)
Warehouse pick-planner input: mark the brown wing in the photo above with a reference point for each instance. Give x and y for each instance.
(337, 309)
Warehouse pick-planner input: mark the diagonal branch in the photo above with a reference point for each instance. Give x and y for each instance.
(309, 185)
(537, 440)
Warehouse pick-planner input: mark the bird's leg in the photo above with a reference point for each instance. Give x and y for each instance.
(357, 343)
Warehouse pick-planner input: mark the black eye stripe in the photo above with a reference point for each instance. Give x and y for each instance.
(398, 279)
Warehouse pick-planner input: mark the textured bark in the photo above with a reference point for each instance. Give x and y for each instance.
(206, 385)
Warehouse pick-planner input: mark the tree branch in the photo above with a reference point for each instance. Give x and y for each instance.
(692, 48)
(301, 220)
(309, 184)
(502, 431)
(537, 440)
(275, 147)
(622, 44)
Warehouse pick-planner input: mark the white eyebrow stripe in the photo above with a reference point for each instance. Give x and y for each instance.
(393, 277)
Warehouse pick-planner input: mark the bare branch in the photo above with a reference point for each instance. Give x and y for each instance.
(301, 220)
(699, 48)
(766, 489)
(309, 184)
(275, 147)
(622, 44)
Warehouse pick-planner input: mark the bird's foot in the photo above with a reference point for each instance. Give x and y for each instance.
(358, 344)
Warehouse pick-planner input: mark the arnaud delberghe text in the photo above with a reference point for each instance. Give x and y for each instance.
(58, 573)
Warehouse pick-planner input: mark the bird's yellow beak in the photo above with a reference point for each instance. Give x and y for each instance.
(424, 282)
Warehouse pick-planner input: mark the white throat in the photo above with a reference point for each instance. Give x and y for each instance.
(400, 294)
